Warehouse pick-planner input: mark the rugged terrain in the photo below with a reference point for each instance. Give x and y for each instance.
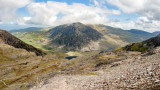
(113, 70)
(116, 69)
(136, 73)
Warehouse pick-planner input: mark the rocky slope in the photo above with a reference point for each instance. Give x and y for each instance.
(137, 72)
(7, 38)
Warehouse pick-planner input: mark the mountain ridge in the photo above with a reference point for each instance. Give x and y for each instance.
(55, 39)
(7, 38)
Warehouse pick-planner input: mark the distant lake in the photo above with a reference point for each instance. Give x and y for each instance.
(107, 49)
(70, 57)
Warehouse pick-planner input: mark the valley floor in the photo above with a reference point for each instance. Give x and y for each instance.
(139, 73)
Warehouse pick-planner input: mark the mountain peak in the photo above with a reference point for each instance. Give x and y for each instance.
(74, 36)
(77, 24)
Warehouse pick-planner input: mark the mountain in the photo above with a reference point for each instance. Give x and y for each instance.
(81, 37)
(112, 32)
(145, 45)
(132, 35)
(73, 36)
(156, 33)
(142, 34)
(7, 38)
(117, 37)
(30, 29)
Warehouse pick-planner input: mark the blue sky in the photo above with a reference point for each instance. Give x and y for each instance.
(125, 14)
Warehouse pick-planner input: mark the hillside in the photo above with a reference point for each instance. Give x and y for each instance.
(129, 36)
(7, 38)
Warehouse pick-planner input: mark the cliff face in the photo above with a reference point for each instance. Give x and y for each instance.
(7, 38)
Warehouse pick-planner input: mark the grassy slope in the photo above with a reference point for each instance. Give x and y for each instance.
(115, 37)
(22, 69)
(33, 38)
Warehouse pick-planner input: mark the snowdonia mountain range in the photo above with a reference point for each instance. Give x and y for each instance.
(23, 65)
(79, 45)
(81, 37)
(21, 68)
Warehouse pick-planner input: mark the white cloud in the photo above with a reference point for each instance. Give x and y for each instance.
(1, 22)
(128, 6)
(55, 13)
(8, 8)
(22, 20)
(148, 11)
(142, 23)
(49, 13)
(148, 8)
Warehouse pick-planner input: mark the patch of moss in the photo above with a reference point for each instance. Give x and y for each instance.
(139, 47)
(90, 73)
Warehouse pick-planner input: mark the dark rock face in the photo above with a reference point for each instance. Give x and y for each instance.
(9, 39)
(74, 36)
(155, 41)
